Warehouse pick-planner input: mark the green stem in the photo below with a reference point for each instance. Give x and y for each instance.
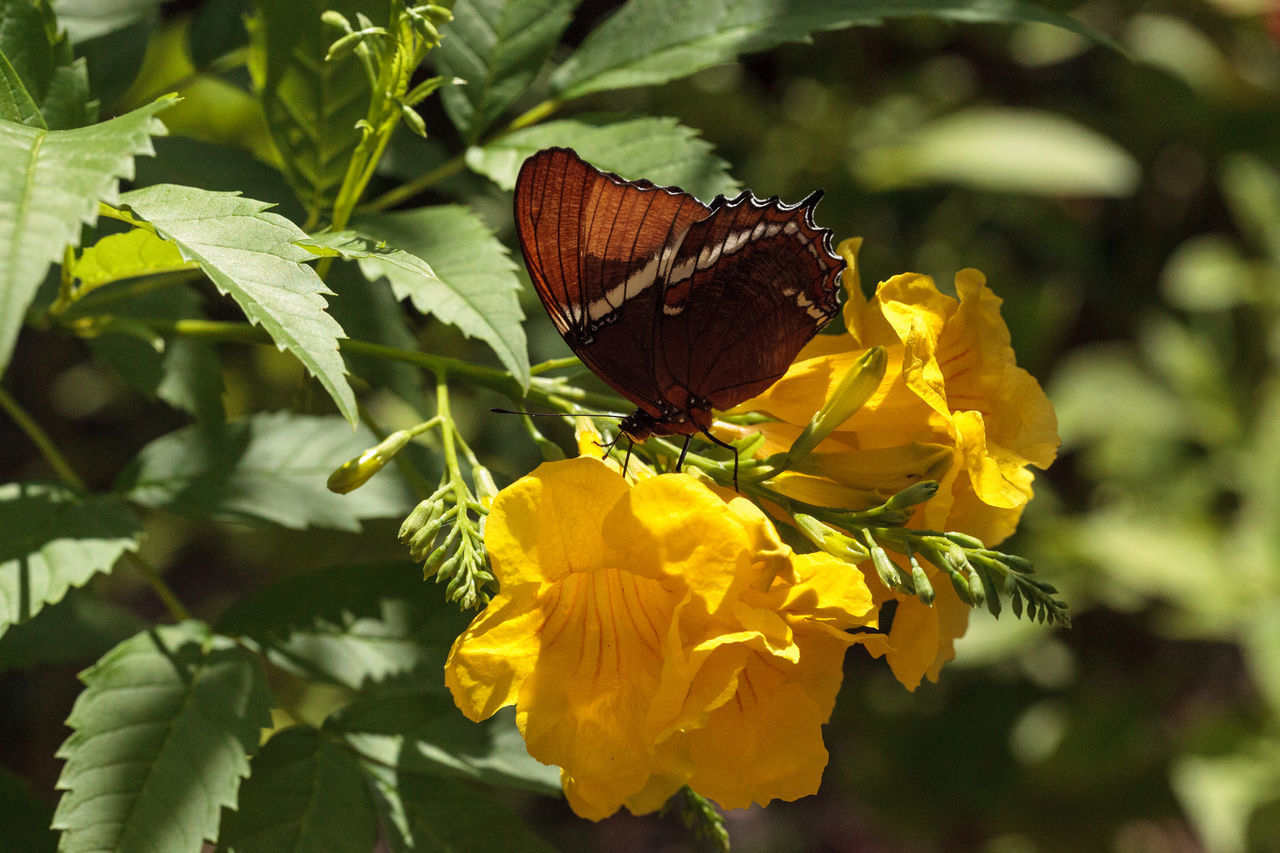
(42, 441)
(408, 190)
(533, 116)
(162, 590)
(555, 364)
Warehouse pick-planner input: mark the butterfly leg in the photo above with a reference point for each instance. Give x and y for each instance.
(627, 459)
(683, 451)
(724, 444)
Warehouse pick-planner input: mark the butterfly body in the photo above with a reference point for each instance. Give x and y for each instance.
(681, 307)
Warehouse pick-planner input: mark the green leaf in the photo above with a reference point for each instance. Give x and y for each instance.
(422, 731)
(162, 735)
(351, 246)
(87, 19)
(266, 467)
(42, 84)
(194, 163)
(248, 254)
(25, 817)
(352, 624)
(120, 256)
(657, 148)
(52, 539)
(303, 793)
(446, 815)
(80, 628)
(311, 105)
(427, 812)
(475, 287)
(359, 590)
(648, 42)
(498, 47)
(50, 182)
(1005, 150)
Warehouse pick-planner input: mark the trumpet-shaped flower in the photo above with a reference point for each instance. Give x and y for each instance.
(953, 407)
(656, 635)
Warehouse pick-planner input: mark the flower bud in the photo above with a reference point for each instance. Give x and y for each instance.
(416, 518)
(886, 569)
(964, 540)
(353, 473)
(486, 488)
(830, 540)
(917, 493)
(920, 580)
(856, 387)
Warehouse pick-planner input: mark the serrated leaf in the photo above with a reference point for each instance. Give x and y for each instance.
(162, 735)
(657, 148)
(475, 288)
(1005, 150)
(52, 539)
(422, 731)
(648, 42)
(267, 468)
(497, 47)
(120, 256)
(351, 246)
(311, 105)
(50, 183)
(248, 254)
(42, 84)
(195, 163)
(304, 792)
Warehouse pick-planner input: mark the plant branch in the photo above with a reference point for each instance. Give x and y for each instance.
(41, 440)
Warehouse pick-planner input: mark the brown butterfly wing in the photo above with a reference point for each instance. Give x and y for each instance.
(594, 245)
(746, 290)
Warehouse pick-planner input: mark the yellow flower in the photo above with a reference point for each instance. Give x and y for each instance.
(640, 630)
(953, 407)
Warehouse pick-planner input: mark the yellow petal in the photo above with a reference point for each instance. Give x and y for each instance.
(766, 743)
(491, 659)
(584, 706)
(674, 525)
(547, 524)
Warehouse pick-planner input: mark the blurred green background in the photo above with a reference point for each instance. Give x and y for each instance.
(1127, 209)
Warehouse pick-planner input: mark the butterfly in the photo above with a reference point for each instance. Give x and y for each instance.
(679, 306)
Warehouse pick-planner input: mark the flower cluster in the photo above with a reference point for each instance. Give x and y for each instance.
(953, 407)
(655, 632)
(655, 636)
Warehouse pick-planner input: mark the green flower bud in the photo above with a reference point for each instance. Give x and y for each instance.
(912, 495)
(885, 568)
(830, 540)
(920, 580)
(855, 388)
(964, 540)
(353, 474)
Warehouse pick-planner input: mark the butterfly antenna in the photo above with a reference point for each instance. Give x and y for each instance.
(557, 414)
(724, 444)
